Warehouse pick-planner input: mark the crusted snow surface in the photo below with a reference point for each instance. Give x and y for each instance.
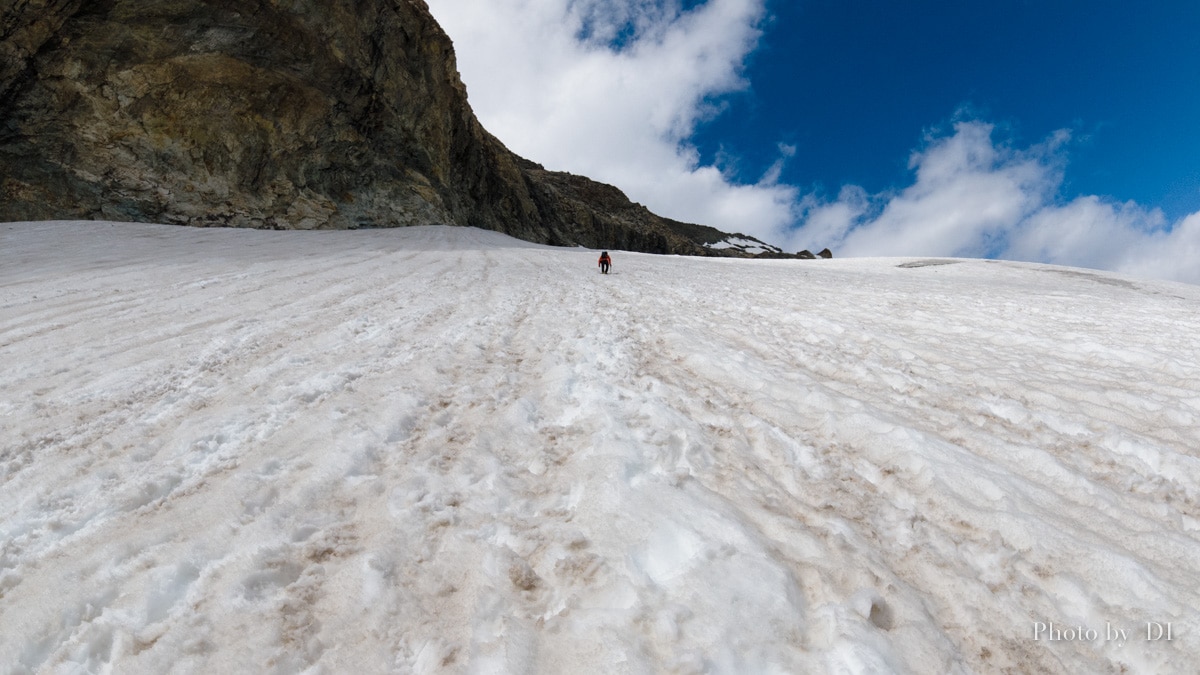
(441, 450)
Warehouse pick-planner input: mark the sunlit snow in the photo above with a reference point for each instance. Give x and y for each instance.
(441, 450)
(746, 245)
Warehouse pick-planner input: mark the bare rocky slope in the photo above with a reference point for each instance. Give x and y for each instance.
(275, 114)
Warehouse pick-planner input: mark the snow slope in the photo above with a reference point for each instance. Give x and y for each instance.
(442, 450)
(745, 245)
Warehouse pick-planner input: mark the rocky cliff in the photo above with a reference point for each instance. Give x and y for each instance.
(274, 114)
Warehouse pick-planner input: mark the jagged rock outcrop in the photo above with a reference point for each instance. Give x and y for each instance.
(277, 114)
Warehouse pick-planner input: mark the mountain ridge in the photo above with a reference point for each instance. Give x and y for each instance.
(268, 114)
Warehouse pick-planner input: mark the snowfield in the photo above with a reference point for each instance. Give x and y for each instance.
(442, 450)
(746, 245)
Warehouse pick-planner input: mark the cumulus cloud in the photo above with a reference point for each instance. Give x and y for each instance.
(974, 197)
(615, 89)
(967, 195)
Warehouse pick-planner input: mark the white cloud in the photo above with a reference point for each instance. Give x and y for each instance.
(546, 78)
(614, 89)
(974, 198)
(1089, 232)
(967, 195)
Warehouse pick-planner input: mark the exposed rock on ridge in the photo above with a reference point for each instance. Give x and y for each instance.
(277, 114)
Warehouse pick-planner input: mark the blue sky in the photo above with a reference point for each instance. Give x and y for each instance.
(1051, 131)
(853, 84)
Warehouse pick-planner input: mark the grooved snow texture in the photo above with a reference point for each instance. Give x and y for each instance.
(441, 450)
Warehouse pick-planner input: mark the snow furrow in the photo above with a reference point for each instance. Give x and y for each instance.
(442, 450)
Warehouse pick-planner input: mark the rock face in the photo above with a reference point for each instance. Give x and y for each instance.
(274, 114)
